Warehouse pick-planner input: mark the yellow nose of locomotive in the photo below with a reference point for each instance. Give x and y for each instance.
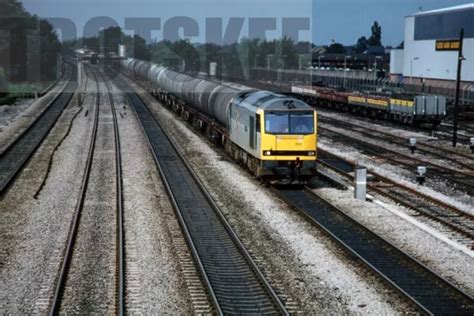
(290, 146)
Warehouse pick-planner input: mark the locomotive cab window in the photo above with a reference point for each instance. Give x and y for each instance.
(294, 122)
(257, 123)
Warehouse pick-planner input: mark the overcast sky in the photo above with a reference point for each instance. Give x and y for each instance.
(342, 20)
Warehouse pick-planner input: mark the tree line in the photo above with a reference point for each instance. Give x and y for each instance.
(235, 59)
(31, 43)
(375, 39)
(29, 48)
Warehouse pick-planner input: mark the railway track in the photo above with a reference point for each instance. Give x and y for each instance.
(460, 180)
(465, 131)
(119, 205)
(78, 230)
(428, 291)
(442, 132)
(461, 161)
(400, 270)
(16, 156)
(235, 284)
(458, 224)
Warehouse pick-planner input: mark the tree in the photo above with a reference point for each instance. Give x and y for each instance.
(110, 38)
(32, 45)
(376, 38)
(68, 47)
(209, 52)
(336, 48)
(172, 54)
(3, 83)
(91, 43)
(184, 50)
(140, 48)
(361, 45)
(246, 57)
(108, 41)
(289, 55)
(50, 48)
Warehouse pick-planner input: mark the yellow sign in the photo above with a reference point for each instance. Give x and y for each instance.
(447, 45)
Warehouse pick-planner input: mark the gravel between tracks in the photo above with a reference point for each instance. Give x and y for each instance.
(452, 264)
(16, 118)
(154, 281)
(33, 231)
(90, 286)
(402, 149)
(384, 128)
(311, 268)
(461, 201)
(396, 129)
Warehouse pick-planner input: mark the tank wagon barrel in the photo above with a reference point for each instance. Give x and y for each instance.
(274, 135)
(208, 97)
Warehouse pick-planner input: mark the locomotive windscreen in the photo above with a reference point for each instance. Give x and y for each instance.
(294, 122)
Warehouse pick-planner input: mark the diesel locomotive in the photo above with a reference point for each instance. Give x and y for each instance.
(273, 135)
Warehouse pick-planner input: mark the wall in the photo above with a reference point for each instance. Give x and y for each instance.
(396, 62)
(431, 63)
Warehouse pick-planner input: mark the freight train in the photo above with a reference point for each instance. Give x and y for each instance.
(413, 109)
(421, 109)
(273, 135)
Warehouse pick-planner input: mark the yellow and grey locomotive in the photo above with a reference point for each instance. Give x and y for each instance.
(272, 134)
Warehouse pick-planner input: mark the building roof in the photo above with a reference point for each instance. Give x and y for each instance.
(448, 9)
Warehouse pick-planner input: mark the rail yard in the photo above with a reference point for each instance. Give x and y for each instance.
(133, 186)
(111, 107)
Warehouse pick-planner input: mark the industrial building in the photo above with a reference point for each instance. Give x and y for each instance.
(430, 52)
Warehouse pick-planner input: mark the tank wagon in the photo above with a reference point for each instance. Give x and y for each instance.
(273, 135)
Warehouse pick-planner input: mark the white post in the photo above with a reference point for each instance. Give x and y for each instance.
(121, 50)
(212, 69)
(78, 73)
(79, 83)
(421, 174)
(360, 185)
(411, 68)
(345, 67)
(268, 61)
(300, 63)
(375, 68)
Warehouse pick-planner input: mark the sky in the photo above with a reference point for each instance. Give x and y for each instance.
(341, 20)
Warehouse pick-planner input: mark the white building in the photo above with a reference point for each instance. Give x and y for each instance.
(396, 65)
(429, 53)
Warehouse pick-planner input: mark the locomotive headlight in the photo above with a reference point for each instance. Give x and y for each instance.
(311, 153)
(267, 153)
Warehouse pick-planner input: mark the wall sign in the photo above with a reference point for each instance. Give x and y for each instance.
(443, 45)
